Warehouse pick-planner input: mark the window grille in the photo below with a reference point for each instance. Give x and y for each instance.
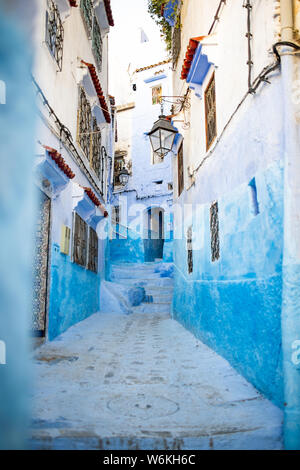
(97, 44)
(116, 215)
(93, 251)
(118, 166)
(84, 124)
(210, 112)
(79, 240)
(86, 7)
(176, 43)
(54, 33)
(180, 170)
(96, 149)
(189, 243)
(214, 232)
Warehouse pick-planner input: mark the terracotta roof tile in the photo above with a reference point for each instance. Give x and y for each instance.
(109, 12)
(59, 160)
(153, 66)
(95, 200)
(99, 91)
(191, 50)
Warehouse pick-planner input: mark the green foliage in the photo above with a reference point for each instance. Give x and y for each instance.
(155, 9)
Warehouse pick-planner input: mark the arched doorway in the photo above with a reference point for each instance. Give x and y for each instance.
(153, 234)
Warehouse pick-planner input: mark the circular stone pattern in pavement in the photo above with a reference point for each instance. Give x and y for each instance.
(141, 406)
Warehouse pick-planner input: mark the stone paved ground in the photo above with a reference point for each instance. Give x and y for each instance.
(143, 381)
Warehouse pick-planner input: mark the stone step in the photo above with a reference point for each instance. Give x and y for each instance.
(161, 297)
(157, 291)
(148, 284)
(115, 277)
(153, 308)
(136, 266)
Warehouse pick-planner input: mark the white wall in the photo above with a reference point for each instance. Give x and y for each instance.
(228, 51)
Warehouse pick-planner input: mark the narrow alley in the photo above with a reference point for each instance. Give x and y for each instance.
(142, 381)
(150, 225)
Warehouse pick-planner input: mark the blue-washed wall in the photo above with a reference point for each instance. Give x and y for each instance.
(234, 304)
(130, 249)
(74, 294)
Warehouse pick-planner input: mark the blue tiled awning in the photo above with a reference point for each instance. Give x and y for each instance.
(199, 70)
(170, 12)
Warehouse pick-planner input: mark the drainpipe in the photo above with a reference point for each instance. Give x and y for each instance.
(291, 249)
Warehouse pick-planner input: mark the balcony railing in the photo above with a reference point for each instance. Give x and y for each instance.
(176, 44)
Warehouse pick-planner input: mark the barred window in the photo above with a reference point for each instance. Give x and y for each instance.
(119, 164)
(93, 251)
(176, 43)
(116, 215)
(97, 44)
(210, 112)
(84, 124)
(54, 33)
(86, 7)
(214, 232)
(180, 170)
(189, 243)
(79, 240)
(96, 163)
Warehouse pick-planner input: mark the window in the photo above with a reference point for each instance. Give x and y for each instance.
(176, 42)
(214, 232)
(96, 162)
(85, 244)
(93, 30)
(189, 244)
(54, 33)
(116, 220)
(156, 94)
(116, 214)
(93, 251)
(79, 240)
(84, 124)
(118, 166)
(210, 112)
(89, 137)
(86, 7)
(97, 44)
(180, 170)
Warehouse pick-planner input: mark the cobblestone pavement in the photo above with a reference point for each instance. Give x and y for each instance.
(143, 381)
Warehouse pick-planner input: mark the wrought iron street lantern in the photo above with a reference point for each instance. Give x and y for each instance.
(123, 177)
(162, 136)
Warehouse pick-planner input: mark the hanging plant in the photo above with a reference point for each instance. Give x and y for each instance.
(156, 10)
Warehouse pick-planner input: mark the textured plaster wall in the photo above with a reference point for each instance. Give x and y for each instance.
(234, 304)
(74, 293)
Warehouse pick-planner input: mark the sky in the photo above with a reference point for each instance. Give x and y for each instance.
(125, 47)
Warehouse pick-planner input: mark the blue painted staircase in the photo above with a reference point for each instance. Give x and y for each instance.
(154, 277)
